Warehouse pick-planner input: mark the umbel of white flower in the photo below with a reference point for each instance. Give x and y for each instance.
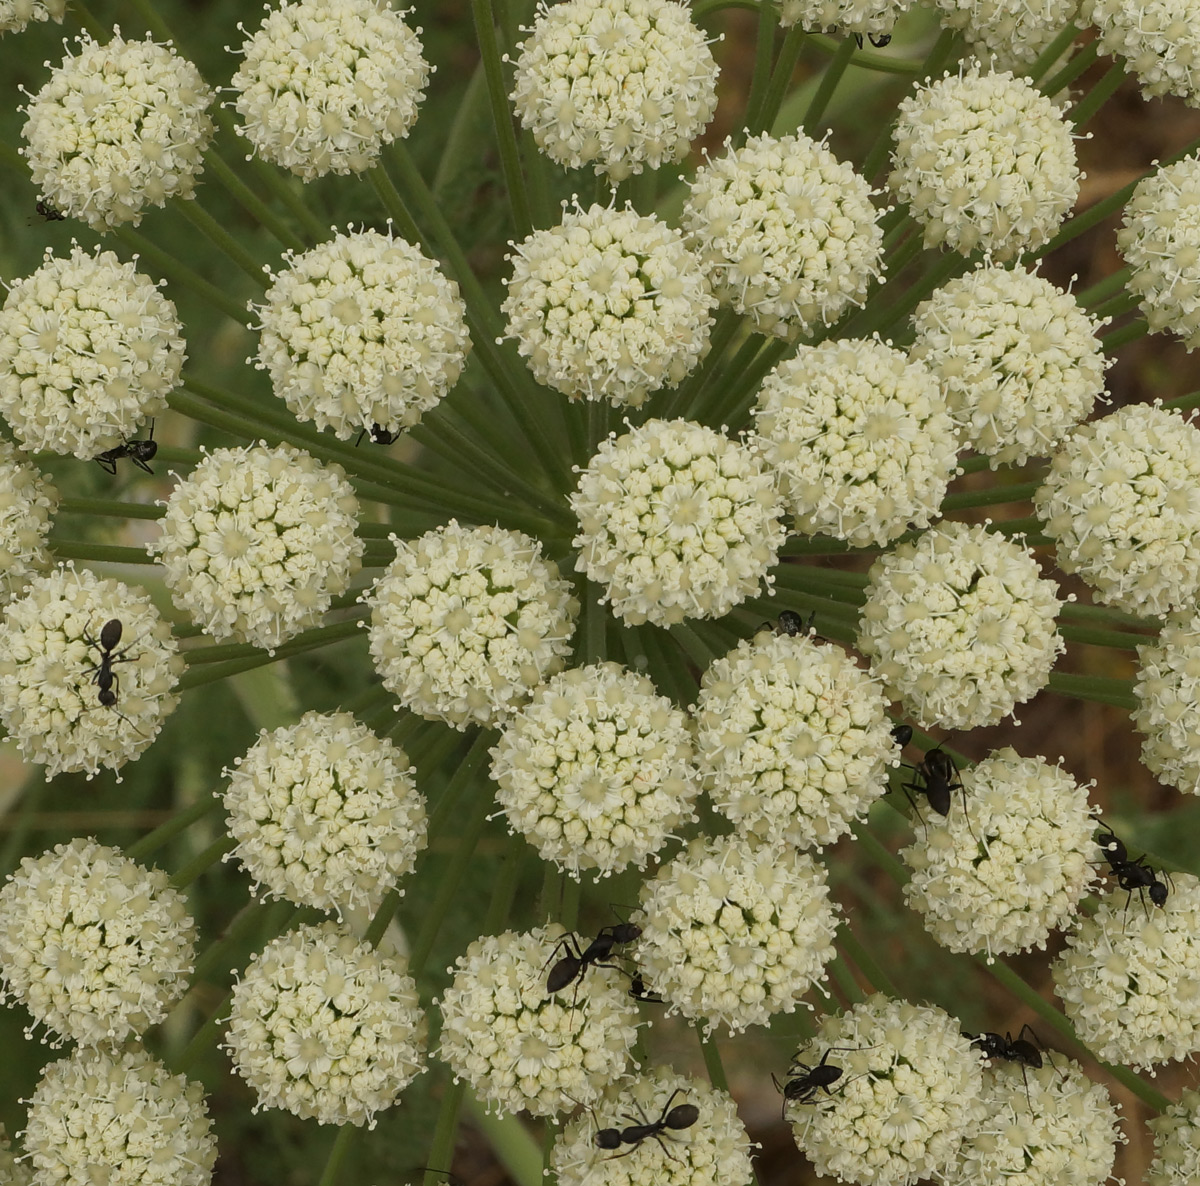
(16, 14)
(1157, 38)
(843, 16)
(1007, 34)
(27, 502)
(1176, 1143)
(12, 1171)
(1167, 690)
(616, 84)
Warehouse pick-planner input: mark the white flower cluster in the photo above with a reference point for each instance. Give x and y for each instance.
(51, 663)
(910, 1091)
(325, 84)
(1007, 34)
(122, 126)
(596, 770)
(986, 162)
(676, 521)
(522, 1048)
(860, 438)
(1001, 875)
(714, 1150)
(615, 84)
(1157, 38)
(326, 1027)
(785, 231)
(959, 624)
(1018, 360)
(1044, 1126)
(1122, 502)
(121, 1118)
(734, 931)
(27, 501)
(1167, 690)
(95, 946)
(325, 813)
(16, 14)
(609, 304)
(89, 349)
(794, 739)
(1176, 1143)
(843, 16)
(12, 1171)
(362, 330)
(467, 621)
(1129, 978)
(1159, 240)
(257, 542)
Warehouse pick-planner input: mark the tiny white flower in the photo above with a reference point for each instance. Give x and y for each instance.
(12, 1171)
(118, 1117)
(1003, 870)
(326, 1027)
(1167, 689)
(523, 1048)
(16, 14)
(1129, 978)
(960, 625)
(785, 231)
(713, 1150)
(1158, 39)
(1176, 1143)
(985, 161)
(121, 126)
(467, 621)
(52, 672)
(909, 1092)
(734, 932)
(325, 84)
(257, 542)
(793, 738)
(1159, 240)
(27, 502)
(843, 16)
(608, 305)
(325, 813)
(860, 438)
(1007, 34)
(1122, 503)
(676, 521)
(1018, 360)
(89, 350)
(596, 770)
(615, 84)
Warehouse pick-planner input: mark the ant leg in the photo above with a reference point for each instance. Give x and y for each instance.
(905, 787)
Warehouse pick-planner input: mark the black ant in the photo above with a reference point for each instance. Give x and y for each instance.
(1132, 875)
(139, 452)
(576, 962)
(792, 625)
(1016, 1050)
(878, 40)
(902, 734)
(639, 991)
(48, 212)
(102, 673)
(939, 780)
(379, 435)
(802, 1088)
(677, 1118)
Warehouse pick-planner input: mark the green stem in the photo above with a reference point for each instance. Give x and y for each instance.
(1102, 290)
(768, 20)
(379, 921)
(781, 77)
(1052, 53)
(33, 793)
(1100, 94)
(180, 822)
(77, 549)
(110, 506)
(866, 962)
(441, 1148)
(337, 1154)
(1123, 336)
(212, 855)
(88, 20)
(1117, 306)
(252, 203)
(712, 1061)
(995, 496)
(223, 652)
(829, 82)
(686, 396)
(212, 230)
(865, 60)
(514, 1147)
(1101, 689)
(1073, 69)
(846, 981)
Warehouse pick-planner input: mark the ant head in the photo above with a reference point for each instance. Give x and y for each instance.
(1158, 893)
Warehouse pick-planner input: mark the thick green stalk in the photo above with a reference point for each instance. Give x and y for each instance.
(110, 506)
(1113, 342)
(1052, 53)
(203, 861)
(77, 549)
(829, 83)
(1100, 94)
(252, 203)
(849, 986)
(768, 21)
(866, 962)
(1073, 69)
(441, 1148)
(994, 496)
(337, 1154)
(216, 234)
(1102, 689)
(180, 822)
(380, 919)
(1104, 289)
(686, 396)
(512, 1144)
(781, 77)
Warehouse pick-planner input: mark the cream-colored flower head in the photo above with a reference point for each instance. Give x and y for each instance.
(89, 350)
(1002, 875)
(326, 1027)
(608, 305)
(596, 770)
(860, 438)
(1176, 1143)
(1129, 978)
(362, 330)
(523, 1048)
(1007, 34)
(121, 126)
(467, 621)
(712, 1151)
(1122, 502)
(52, 663)
(257, 542)
(1018, 360)
(27, 501)
(16, 14)
(794, 739)
(986, 162)
(615, 84)
(1167, 690)
(1159, 240)
(325, 813)
(1158, 39)
(843, 16)
(785, 231)
(1044, 1126)
(325, 84)
(960, 625)
(910, 1091)
(734, 931)
(676, 521)
(118, 1117)
(95, 946)
(12, 1171)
